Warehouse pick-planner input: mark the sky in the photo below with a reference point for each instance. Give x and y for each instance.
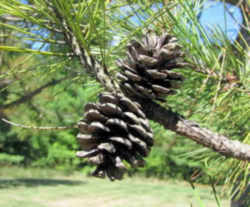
(225, 17)
(228, 18)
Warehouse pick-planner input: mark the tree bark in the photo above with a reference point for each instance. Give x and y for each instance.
(175, 122)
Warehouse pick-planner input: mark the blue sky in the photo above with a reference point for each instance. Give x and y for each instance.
(225, 17)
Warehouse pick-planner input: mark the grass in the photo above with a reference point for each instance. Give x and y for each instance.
(49, 188)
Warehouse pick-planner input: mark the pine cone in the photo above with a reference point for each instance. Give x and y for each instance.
(147, 71)
(113, 130)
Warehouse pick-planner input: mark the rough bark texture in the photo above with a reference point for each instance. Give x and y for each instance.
(175, 122)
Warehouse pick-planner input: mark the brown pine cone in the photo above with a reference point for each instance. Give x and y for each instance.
(113, 130)
(147, 72)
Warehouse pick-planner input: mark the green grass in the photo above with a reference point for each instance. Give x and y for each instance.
(49, 188)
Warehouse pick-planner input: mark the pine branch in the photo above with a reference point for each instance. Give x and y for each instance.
(39, 128)
(167, 118)
(91, 65)
(177, 123)
(192, 130)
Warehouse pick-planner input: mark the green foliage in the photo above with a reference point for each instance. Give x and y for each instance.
(7, 159)
(57, 148)
(60, 105)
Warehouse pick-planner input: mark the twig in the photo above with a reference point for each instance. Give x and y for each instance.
(31, 94)
(38, 128)
(91, 65)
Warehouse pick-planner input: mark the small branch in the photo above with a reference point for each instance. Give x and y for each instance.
(39, 128)
(92, 66)
(30, 95)
(47, 24)
(175, 122)
(215, 194)
(11, 18)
